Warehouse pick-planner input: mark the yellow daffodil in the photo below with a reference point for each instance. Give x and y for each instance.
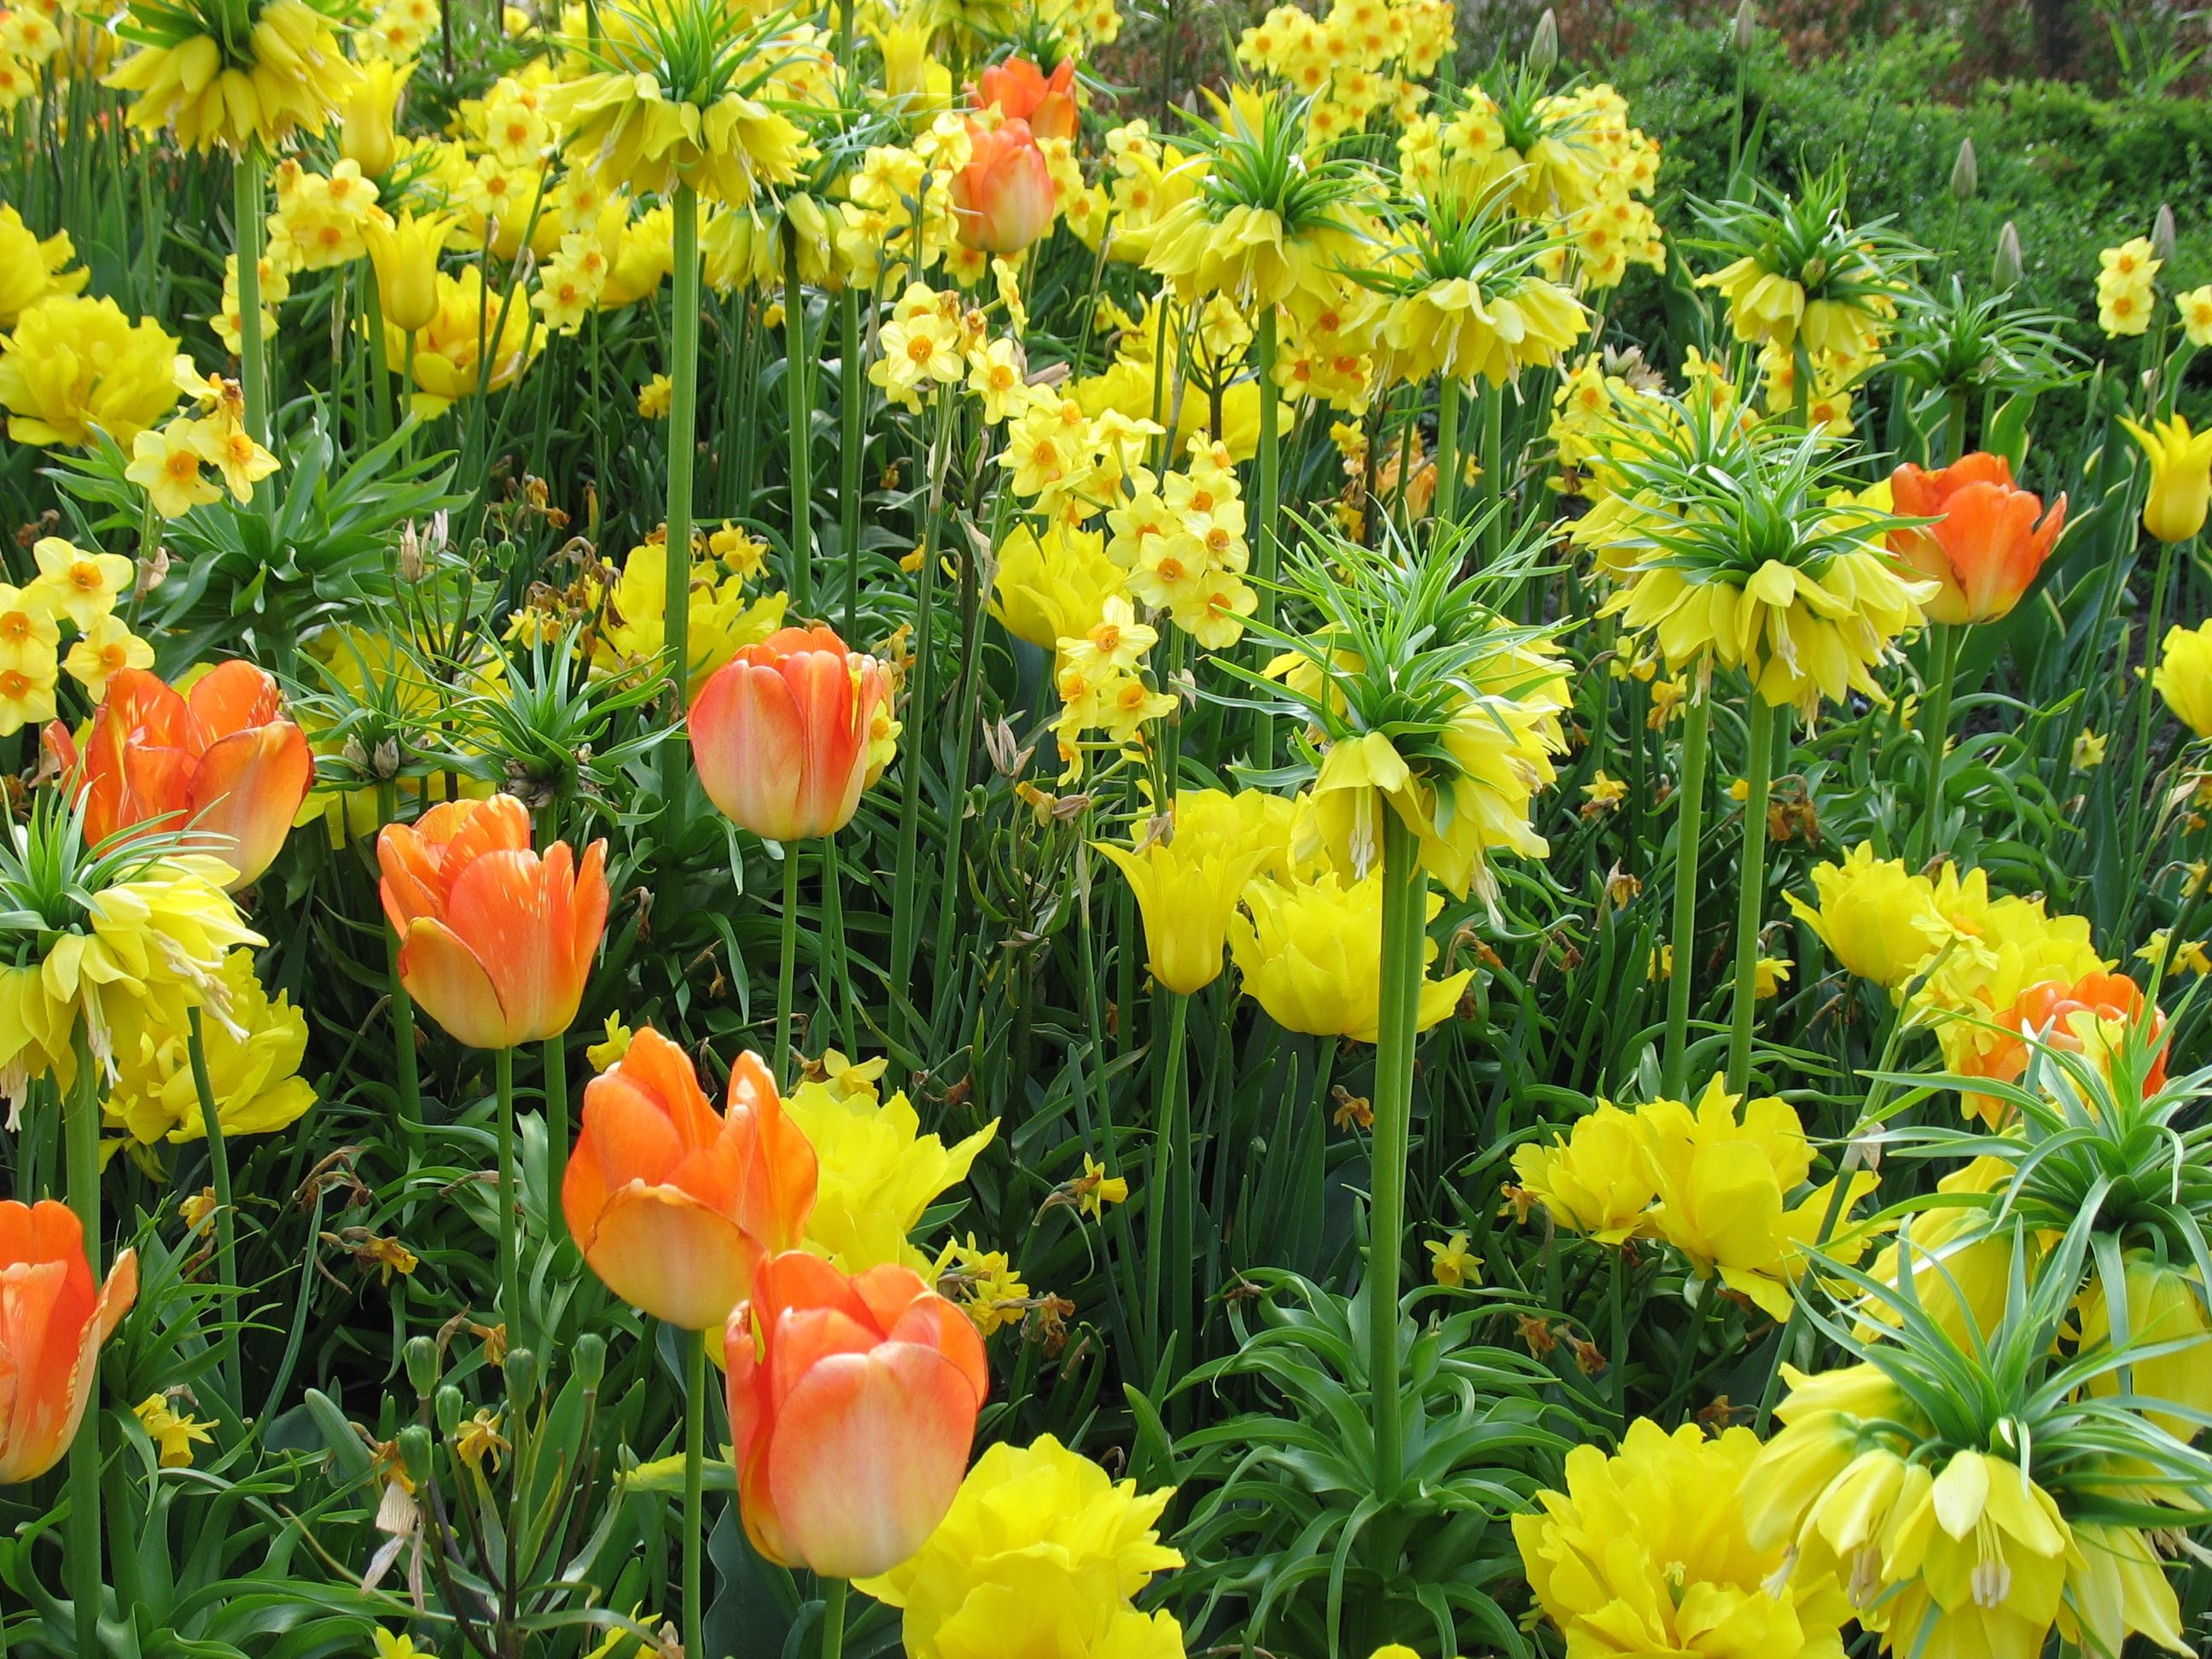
(166, 465)
(878, 1174)
(1452, 1264)
(80, 584)
(73, 366)
(103, 651)
(1877, 918)
(173, 1432)
(446, 362)
(1051, 586)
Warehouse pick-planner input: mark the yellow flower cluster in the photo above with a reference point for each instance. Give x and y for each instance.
(1041, 1552)
(167, 463)
(1725, 1184)
(286, 73)
(32, 269)
(253, 1058)
(397, 30)
(73, 366)
(2127, 295)
(1361, 58)
(29, 41)
(73, 585)
(625, 619)
(1646, 1552)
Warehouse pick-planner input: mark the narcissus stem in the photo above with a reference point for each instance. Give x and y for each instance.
(228, 1378)
(81, 1174)
(1751, 890)
(1682, 934)
(1405, 930)
(1165, 1203)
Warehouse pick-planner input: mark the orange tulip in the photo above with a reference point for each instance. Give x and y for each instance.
(2049, 1010)
(494, 941)
(780, 733)
(1025, 93)
(220, 761)
(853, 1405)
(1003, 199)
(674, 1207)
(52, 1320)
(1984, 546)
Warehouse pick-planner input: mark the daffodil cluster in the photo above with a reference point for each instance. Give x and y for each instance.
(77, 586)
(2127, 292)
(1361, 59)
(171, 464)
(621, 615)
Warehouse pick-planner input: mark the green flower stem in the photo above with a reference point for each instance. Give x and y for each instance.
(1267, 499)
(403, 1005)
(80, 1167)
(510, 1259)
(786, 966)
(380, 366)
(852, 406)
(227, 1375)
(682, 455)
(695, 1481)
(556, 1129)
(921, 706)
(246, 197)
(799, 400)
(1493, 482)
(833, 1619)
(1448, 463)
(1751, 889)
(1936, 731)
(1166, 1211)
(1404, 934)
(837, 979)
(1682, 935)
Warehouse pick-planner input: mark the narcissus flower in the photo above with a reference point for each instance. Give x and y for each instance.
(853, 1404)
(1003, 199)
(673, 1207)
(781, 733)
(221, 762)
(1039, 1555)
(1645, 1552)
(879, 1173)
(1311, 955)
(53, 1319)
(1051, 585)
(2180, 476)
(1187, 889)
(1597, 1178)
(74, 366)
(494, 942)
(1986, 545)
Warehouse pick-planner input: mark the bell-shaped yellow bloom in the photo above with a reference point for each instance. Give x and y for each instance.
(366, 131)
(2184, 675)
(879, 1173)
(1453, 328)
(2117, 1586)
(624, 129)
(2180, 476)
(1596, 1179)
(1977, 1558)
(287, 74)
(2165, 1309)
(1186, 885)
(1311, 955)
(404, 255)
(1823, 1417)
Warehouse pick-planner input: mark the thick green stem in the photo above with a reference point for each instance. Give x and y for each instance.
(852, 407)
(557, 1130)
(1448, 461)
(1165, 1204)
(833, 1619)
(1405, 933)
(786, 966)
(1266, 501)
(80, 1168)
(1936, 731)
(920, 727)
(226, 1223)
(837, 979)
(798, 394)
(1751, 891)
(1493, 480)
(510, 1256)
(246, 228)
(1682, 936)
(682, 456)
(695, 1481)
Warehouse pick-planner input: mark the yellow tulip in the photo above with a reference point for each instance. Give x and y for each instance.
(1878, 919)
(1311, 955)
(365, 134)
(2180, 476)
(1596, 1179)
(2183, 676)
(1186, 887)
(405, 255)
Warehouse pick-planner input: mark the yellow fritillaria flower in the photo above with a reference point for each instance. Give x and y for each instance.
(213, 85)
(878, 1174)
(74, 366)
(1311, 954)
(624, 128)
(2180, 476)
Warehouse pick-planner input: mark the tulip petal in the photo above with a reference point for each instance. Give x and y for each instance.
(867, 1455)
(511, 908)
(247, 789)
(443, 975)
(659, 1249)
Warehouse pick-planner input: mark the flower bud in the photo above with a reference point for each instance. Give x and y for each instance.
(2005, 270)
(423, 1364)
(2162, 232)
(1964, 174)
(415, 1449)
(588, 1362)
(1747, 26)
(1544, 44)
(521, 1371)
(449, 1406)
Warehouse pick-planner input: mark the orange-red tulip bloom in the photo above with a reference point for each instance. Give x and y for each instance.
(1986, 545)
(219, 760)
(52, 1320)
(1025, 93)
(495, 941)
(853, 1405)
(780, 733)
(673, 1207)
(1003, 199)
(2049, 1010)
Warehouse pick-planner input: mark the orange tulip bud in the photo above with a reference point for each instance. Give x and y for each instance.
(672, 1206)
(494, 941)
(220, 761)
(853, 1405)
(1003, 199)
(1985, 547)
(1025, 93)
(52, 1320)
(780, 733)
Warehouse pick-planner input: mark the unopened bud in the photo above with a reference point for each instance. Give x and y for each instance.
(2162, 232)
(415, 1449)
(449, 1404)
(2005, 270)
(521, 1368)
(1964, 174)
(423, 1363)
(1544, 44)
(1747, 26)
(385, 761)
(589, 1360)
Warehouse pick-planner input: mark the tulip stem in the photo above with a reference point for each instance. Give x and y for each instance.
(695, 1480)
(80, 1168)
(786, 967)
(1942, 668)
(1682, 935)
(683, 455)
(1166, 1209)
(1751, 889)
(1404, 934)
(851, 407)
(799, 406)
(245, 205)
(227, 1374)
(837, 979)
(557, 1131)
(833, 1619)
(510, 1261)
